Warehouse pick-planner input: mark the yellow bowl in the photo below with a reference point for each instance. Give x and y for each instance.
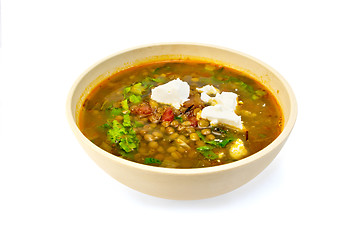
(195, 183)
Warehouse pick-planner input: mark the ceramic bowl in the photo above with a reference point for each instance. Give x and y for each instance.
(196, 183)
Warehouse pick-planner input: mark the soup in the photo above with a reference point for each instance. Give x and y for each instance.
(181, 114)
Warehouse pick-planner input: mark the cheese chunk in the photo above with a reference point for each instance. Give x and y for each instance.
(174, 93)
(208, 89)
(237, 149)
(222, 109)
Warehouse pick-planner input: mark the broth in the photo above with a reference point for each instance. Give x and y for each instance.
(121, 117)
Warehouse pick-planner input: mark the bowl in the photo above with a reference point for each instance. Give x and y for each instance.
(183, 184)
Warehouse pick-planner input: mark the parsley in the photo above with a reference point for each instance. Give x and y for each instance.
(202, 137)
(106, 126)
(217, 142)
(137, 89)
(114, 111)
(126, 121)
(124, 104)
(207, 152)
(138, 124)
(128, 144)
(127, 90)
(134, 99)
(116, 132)
(204, 148)
(123, 135)
(162, 68)
(149, 160)
(179, 118)
(220, 142)
(255, 94)
(158, 80)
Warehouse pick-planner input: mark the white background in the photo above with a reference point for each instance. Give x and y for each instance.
(50, 189)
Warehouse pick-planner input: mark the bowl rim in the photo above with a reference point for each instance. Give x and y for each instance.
(184, 171)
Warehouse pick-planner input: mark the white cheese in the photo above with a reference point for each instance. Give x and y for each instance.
(222, 109)
(208, 89)
(237, 149)
(174, 93)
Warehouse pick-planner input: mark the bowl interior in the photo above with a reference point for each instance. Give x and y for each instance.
(236, 60)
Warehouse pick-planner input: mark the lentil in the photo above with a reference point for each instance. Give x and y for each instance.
(194, 137)
(205, 131)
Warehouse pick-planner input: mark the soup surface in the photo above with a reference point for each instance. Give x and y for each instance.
(180, 114)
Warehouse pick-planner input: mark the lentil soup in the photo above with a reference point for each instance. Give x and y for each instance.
(123, 115)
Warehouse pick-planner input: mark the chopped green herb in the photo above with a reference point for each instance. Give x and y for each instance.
(255, 97)
(123, 135)
(124, 104)
(220, 142)
(150, 160)
(255, 94)
(115, 111)
(260, 93)
(128, 144)
(134, 99)
(215, 80)
(246, 87)
(127, 90)
(179, 118)
(207, 152)
(204, 148)
(156, 70)
(116, 132)
(216, 142)
(126, 121)
(137, 89)
(202, 137)
(138, 124)
(159, 69)
(224, 142)
(106, 125)
(158, 80)
(128, 155)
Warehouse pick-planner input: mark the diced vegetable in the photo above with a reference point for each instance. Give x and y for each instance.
(143, 109)
(168, 115)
